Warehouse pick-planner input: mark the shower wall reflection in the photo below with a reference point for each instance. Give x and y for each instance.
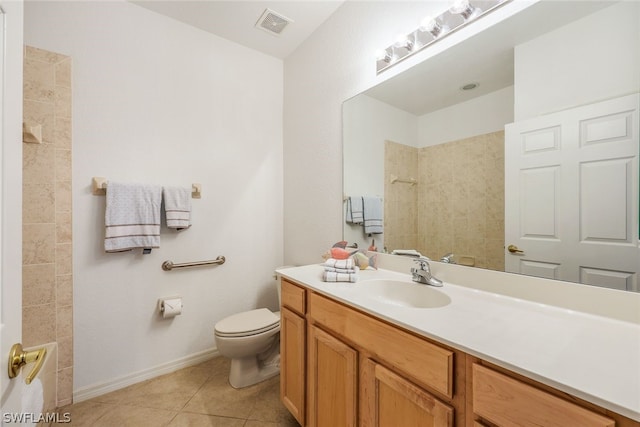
(457, 205)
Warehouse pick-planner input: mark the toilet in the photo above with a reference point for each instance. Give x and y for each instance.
(251, 340)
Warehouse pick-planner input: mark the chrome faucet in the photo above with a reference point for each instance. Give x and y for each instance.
(423, 274)
(448, 259)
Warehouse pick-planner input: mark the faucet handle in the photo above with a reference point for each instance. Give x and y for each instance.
(423, 261)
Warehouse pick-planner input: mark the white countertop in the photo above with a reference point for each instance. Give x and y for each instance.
(592, 357)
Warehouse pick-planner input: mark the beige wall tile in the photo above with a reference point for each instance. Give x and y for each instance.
(39, 284)
(63, 196)
(40, 113)
(38, 243)
(62, 133)
(38, 203)
(38, 81)
(47, 218)
(63, 165)
(65, 352)
(38, 324)
(63, 227)
(63, 73)
(64, 259)
(63, 101)
(38, 164)
(64, 321)
(64, 290)
(65, 386)
(43, 55)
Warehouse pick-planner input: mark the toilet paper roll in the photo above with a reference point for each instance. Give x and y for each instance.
(171, 307)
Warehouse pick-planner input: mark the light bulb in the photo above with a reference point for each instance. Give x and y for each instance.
(403, 41)
(464, 8)
(433, 26)
(383, 55)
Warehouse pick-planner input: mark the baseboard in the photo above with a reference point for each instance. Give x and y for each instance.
(96, 390)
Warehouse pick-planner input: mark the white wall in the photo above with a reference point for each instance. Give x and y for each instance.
(368, 123)
(576, 65)
(160, 102)
(478, 116)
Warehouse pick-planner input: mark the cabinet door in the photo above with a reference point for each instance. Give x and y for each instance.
(332, 381)
(505, 401)
(292, 363)
(393, 401)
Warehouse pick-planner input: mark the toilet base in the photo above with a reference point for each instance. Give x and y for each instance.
(248, 371)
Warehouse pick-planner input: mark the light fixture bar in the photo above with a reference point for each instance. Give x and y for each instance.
(431, 29)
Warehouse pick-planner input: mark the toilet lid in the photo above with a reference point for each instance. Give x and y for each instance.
(247, 323)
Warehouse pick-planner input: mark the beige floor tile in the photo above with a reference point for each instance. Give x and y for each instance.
(185, 419)
(171, 391)
(191, 397)
(83, 413)
(268, 407)
(133, 416)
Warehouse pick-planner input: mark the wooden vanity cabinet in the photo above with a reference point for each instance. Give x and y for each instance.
(293, 341)
(342, 367)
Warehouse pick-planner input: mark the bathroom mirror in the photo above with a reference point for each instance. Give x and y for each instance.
(434, 152)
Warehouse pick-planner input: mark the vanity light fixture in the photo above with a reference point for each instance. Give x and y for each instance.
(434, 28)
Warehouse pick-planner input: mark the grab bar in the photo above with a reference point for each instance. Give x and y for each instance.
(169, 265)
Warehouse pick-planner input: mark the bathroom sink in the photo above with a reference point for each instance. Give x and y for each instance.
(405, 294)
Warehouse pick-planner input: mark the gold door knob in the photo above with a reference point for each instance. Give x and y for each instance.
(514, 249)
(18, 358)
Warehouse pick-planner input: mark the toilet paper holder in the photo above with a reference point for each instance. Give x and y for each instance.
(170, 306)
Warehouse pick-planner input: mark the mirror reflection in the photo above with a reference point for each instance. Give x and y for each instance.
(430, 144)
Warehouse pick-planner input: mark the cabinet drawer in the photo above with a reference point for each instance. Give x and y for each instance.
(293, 297)
(421, 361)
(506, 401)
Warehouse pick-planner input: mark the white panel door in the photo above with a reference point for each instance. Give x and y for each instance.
(571, 195)
(11, 17)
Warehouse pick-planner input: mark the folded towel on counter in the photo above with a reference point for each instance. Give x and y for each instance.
(330, 276)
(343, 270)
(348, 263)
(177, 207)
(372, 212)
(132, 217)
(354, 210)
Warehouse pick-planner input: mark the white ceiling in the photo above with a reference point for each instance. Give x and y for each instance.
(235, 20)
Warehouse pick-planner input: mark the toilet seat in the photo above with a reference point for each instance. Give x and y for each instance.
(248, 323)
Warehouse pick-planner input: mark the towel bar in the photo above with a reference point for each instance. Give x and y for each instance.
(99, 187)
(169, 265)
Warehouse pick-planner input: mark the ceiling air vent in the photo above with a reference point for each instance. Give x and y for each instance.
(272, 22)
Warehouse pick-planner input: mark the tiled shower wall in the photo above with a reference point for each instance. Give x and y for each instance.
(400, 199)
(459, 199)
(47, 281)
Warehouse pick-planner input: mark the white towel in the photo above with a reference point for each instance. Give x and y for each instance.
(177, 207)
(340, 263)
(354, 210)
(132, 217)
(330, 276)
(342, 270)
(373, 218)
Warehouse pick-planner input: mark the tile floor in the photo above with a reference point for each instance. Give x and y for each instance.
(191, 397)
